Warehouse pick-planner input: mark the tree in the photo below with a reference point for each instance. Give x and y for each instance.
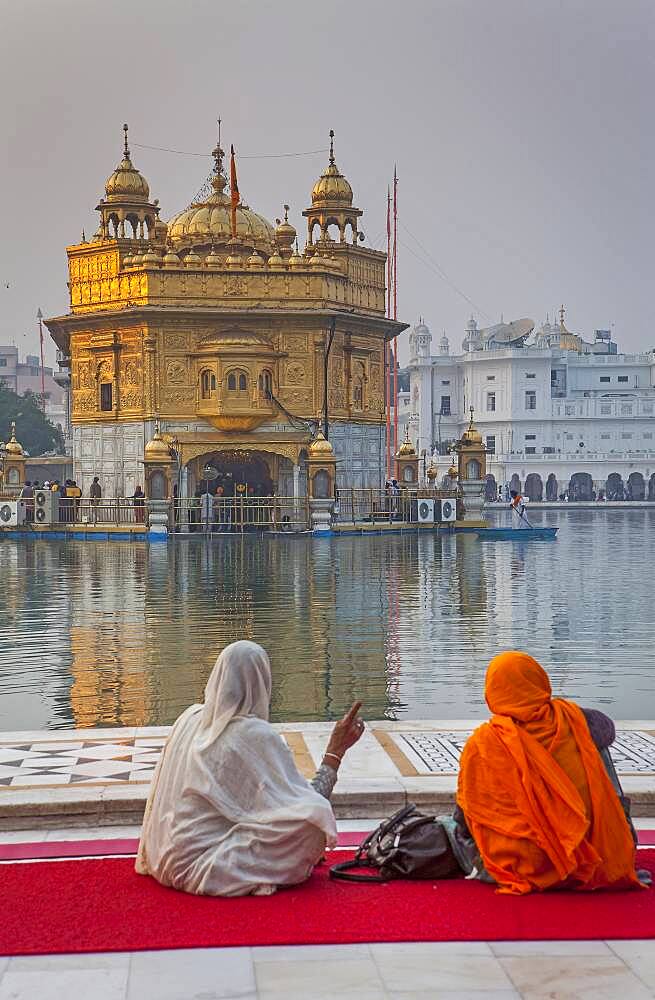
(33, 429)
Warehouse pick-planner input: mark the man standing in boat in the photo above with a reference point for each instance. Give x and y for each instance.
(517, 504)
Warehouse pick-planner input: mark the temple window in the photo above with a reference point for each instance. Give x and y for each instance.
(207, 384)
(106, 396)
(237, 379)
(266, 383)
(358, 394)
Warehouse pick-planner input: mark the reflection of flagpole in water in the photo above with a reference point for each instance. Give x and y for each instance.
(393, 640)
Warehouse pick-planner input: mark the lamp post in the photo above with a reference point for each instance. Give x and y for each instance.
(39, 316)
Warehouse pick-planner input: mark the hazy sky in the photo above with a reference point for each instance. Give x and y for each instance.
(523, 134)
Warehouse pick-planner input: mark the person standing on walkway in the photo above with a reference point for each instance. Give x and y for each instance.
(95, 495)
(27, 495)
(139, 500)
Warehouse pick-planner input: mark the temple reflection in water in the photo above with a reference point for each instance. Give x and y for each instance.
(112, 633)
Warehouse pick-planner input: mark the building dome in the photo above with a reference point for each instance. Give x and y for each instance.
(407, 449)
(13, 447)
(156, 449)
(207, 222)
(332, 189)
(285, 234)
(320, 446)
(126, 183)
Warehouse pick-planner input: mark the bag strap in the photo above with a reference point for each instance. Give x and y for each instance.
(341, 871)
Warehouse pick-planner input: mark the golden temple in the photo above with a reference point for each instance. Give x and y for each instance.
(215, 336)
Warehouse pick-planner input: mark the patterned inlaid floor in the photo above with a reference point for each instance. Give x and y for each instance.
(53, 761)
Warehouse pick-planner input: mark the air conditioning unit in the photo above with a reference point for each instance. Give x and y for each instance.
(425, 511)
(445, 511)
(12, 513)
(46, 507)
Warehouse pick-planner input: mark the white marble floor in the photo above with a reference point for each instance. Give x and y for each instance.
(602, 970)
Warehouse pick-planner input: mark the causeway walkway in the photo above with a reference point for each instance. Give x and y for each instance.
(101, 776)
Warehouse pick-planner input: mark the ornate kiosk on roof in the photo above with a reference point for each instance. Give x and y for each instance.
(218, 330)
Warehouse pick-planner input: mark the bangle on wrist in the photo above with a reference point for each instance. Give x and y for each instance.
(335, 755)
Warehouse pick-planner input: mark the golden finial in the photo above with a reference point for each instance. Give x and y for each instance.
(561, 316)
(127, 149)
(83, 237)
(471, 424)
(286, 213)
(332, 146)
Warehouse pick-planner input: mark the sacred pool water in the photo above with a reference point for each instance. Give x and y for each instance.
(119, 634)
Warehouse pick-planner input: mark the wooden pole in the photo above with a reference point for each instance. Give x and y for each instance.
(387, 345)
(395, 309)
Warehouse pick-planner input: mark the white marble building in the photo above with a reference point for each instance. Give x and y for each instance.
(557, 414)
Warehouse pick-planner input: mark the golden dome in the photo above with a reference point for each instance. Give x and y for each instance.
(213, 259)
(151, 257)
(407, 450)
(157, 449)
(192, 259)
(332, 189)
(126, 183)
(471, 435)
(171, 259)
(452, 472)
(432, 472)
(295, 257)
(12, 446)
(275, 260)
(320, 446)
(207, 222)
(254, 260)
(285, 233)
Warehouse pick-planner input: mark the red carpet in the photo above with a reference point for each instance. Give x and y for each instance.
(102, 905)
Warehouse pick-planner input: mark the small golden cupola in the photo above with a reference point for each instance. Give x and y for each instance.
(13, 447)
(332, 205)
(406, 463)
(126, 211)
(285, 235)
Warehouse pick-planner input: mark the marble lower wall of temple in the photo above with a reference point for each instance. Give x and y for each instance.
(114, 453)
(359, 449)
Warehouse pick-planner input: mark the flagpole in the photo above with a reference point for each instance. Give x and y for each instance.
(39, 316)
(395, 307)
(235, 198)
(387, 344)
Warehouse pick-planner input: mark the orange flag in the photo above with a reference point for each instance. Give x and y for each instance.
(235, 198)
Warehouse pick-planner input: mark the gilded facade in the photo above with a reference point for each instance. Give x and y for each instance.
(218, 329)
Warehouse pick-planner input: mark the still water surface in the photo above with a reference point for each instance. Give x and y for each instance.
(120, 634)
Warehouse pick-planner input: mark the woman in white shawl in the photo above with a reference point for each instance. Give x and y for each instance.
(228, 812)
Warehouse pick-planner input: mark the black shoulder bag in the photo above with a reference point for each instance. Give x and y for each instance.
(408, 845)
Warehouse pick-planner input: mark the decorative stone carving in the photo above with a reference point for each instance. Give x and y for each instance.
(176, 372)
(295, 373)
(131, 399)
(130, 373)
(295, 343)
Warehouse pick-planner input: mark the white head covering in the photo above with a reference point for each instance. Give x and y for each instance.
(238, 686)
(228, 813)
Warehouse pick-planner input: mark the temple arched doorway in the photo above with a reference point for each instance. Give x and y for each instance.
(534, 487)
(551, 487)
(237, 472)
(614, 488)
(581, 486)
(636, 486)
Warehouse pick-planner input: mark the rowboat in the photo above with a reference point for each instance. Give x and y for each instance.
(516, 534)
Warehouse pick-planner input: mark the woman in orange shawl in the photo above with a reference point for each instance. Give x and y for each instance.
(535, 793)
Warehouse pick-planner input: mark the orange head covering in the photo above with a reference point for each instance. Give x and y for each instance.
(535, 792)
